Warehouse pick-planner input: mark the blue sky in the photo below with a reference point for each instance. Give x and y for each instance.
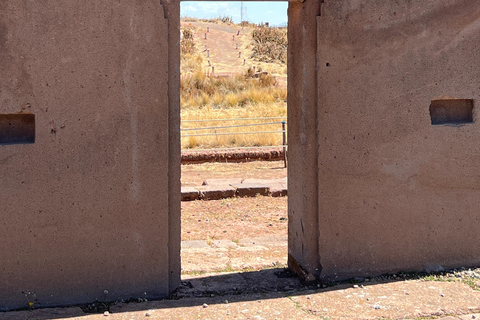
(274, 12)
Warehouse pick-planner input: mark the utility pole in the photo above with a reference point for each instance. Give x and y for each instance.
(243, 12)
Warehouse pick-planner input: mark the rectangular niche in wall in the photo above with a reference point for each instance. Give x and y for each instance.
(17, 128)
(451, 111)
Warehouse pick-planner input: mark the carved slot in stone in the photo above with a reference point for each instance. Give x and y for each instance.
(17, 128)
(451, 111)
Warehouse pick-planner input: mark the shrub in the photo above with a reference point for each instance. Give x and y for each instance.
(187, 44)
(226, 19)
(269, 44)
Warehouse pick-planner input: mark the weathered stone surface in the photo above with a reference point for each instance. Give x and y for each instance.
(278, 190)
(224, 244)
(469, 317)
(267, 181)
(394, 191)
(303, 146)
(222, 182)
(278, 187)
(87, 207)
(194, 244)
(374, 186)
(190, 193)
(216, 192)
(264, 241)
(214, 189)
(250, 189)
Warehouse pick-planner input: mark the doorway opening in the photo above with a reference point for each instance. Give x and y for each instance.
(233, 136)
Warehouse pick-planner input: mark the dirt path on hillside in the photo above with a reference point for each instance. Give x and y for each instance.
(221, 42)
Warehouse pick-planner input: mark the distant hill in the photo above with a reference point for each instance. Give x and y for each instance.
(227, 48)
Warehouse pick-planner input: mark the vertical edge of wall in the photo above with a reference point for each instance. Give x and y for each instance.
(303, 254)
(172, 12)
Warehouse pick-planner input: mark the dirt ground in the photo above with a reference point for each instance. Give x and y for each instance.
(194, 174)
(234, 233)
(234, 218)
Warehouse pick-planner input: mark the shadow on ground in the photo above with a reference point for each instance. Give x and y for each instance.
(204, 290)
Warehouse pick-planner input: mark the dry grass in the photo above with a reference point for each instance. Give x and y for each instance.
(249, 95)
(250, 111)
(199, 90)
(187, 43)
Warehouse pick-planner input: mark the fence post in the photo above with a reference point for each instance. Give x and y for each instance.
(284, 143)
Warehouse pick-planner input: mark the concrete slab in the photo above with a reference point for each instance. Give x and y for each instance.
(190, 193)
(216, 192)
(251, 189)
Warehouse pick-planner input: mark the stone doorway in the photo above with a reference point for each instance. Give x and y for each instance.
(303, 257)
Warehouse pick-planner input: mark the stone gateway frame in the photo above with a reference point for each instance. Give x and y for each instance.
(89, 144)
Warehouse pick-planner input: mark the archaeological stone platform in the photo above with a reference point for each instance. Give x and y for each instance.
(215, 189)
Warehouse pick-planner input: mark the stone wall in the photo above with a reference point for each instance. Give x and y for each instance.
(396, 192)
(87, 199)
